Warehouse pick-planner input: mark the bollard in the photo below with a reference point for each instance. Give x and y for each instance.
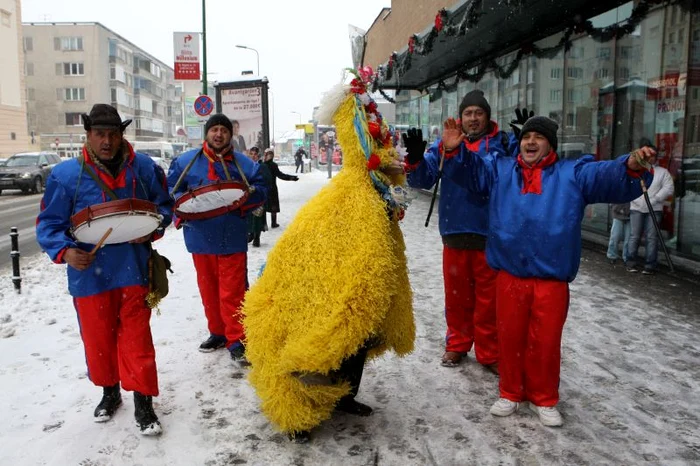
(14, 254)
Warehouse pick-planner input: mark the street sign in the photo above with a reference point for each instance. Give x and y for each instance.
(186, 46)
(203, 105)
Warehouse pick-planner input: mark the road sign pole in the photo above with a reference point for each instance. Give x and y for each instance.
(205, 87)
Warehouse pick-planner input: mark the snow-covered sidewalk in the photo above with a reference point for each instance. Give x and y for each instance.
(630, 371)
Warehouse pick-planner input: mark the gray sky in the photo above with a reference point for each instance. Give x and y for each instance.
(303, 45)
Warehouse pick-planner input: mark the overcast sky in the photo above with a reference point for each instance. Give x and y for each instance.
(303, 44)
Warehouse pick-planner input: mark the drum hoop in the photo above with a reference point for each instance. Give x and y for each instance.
(217, 186)
(111, 208)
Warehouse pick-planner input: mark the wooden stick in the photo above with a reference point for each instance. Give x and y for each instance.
(101, 241)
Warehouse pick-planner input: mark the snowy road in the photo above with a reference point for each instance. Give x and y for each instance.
(629, 389)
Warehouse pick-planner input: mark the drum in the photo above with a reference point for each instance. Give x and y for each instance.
(211, 200)
(129, 219)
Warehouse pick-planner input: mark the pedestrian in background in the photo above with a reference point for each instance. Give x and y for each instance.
(620, 231)
(273, 199)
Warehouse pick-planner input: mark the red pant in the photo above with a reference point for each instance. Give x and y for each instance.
(116, 333)
(470, 304)
(222, 285)
(531, 314)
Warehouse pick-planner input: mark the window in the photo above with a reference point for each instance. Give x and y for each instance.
(75, 93)
(601, 73)
(29, 69)
(555, 95)
(624, 73)
(681, 36)
(556, 73)
(30, 93)
(73, 69)
(73, 119)
(626, 52)
(574, 96)
(574, 72)
(571, 119)
(68, 44)
(6, 18)
(696, 92)
(576, 52)
(672, 38)
(28, 43)
(603, 53)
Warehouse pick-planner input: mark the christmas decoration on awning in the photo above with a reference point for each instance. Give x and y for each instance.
(451, 25)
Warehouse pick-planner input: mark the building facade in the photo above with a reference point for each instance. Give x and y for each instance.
(606, 96)
(71, 66)
(13, 110)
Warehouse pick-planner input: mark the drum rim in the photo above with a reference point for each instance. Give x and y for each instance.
(142, 206)
(216, 186)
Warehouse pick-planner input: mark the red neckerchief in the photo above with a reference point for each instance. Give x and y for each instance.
(473, 146)
(106, 177)
(213, 158)
(532, 175)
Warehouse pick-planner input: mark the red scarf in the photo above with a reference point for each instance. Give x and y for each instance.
(209, 153)
(532, 175)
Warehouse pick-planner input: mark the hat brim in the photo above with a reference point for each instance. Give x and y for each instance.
(120, 127)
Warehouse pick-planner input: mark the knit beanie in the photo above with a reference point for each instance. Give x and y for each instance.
(543, 125)
(218, 119)
(475, 98)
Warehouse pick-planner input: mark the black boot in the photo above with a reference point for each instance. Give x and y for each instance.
(213, 343)
(303, 436)
(111, 399)
(347, 404)
(256, 240)
(273, 220)
(146, 419)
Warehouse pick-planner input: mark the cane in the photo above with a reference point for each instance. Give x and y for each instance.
(656, 224)
(437, 184)
(101, 241)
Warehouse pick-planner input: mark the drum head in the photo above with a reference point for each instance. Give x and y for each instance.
(209, 201)
(125, 227)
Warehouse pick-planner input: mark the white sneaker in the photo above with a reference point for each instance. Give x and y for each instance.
(549, 415)
(504, 407)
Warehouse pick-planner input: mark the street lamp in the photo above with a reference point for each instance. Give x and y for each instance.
(256, 54)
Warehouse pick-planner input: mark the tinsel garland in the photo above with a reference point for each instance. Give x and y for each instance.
(451, 26)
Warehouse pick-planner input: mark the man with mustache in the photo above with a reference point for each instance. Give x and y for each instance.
(470, 307)
(109, 286)
(219, 245)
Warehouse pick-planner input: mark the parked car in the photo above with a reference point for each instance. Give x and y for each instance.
(27, 171)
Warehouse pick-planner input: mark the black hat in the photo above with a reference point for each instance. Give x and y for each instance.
(103, 116)
(543, 125)
(475, 97)
(218, 119)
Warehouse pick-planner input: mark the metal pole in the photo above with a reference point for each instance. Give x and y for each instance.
(14, 254)
(205, 87)
(329, 153)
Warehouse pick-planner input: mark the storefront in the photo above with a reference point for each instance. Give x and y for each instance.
(629, 73)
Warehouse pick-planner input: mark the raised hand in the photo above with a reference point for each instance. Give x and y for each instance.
(415, 145)
(452, 135)
(639, 159)
(521, 116)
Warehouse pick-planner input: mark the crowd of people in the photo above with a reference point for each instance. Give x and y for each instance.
(510, 220)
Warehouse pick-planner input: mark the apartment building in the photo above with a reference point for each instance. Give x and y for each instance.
(71, 66)
(13, 110)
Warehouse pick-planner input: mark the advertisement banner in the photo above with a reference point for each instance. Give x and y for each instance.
(186, 47)
(244, 106)
(191, 118)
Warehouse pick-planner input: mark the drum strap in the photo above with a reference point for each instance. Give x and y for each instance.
(97, 179)
(184, 173)
(245, 180)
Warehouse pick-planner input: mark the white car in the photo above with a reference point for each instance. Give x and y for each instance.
(161, 163)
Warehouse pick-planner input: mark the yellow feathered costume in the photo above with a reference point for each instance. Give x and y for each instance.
(336, 277)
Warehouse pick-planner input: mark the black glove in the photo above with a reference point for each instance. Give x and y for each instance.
(296, 178)
(521, 116)
(415, 145)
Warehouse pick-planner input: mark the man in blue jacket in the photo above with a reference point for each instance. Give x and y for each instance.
(219, 245)
(109, 287)
(470, 306)
(536, 204)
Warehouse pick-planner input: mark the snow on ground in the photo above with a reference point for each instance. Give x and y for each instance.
(630, 371)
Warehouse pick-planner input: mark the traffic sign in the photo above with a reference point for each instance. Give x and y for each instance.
(203, 105)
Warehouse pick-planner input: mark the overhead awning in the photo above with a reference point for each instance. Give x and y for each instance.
(502, 27)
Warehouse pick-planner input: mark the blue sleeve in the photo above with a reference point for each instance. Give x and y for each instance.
(425, 175)
(471, 172)
(609, 181)
(53, 222)
(513, 145)
(158, 194)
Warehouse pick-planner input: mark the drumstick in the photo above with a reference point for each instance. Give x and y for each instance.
(101, 241)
